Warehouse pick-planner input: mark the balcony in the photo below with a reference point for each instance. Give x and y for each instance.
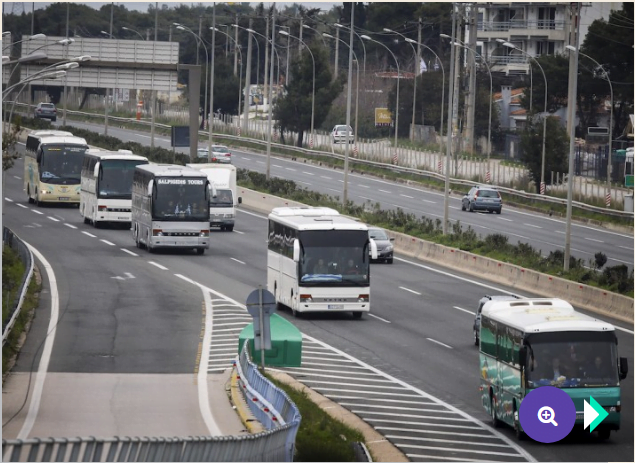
(518, 24)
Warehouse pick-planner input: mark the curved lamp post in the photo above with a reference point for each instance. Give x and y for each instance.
(305, 26)
(33, 37)
(356, 84)
(544, 119)
(365, 37)
(491, 97)
(313, 93)
(443, 81)
(132, 30)
(341, 26)
(240, 75)
(605, 76)
(414, 94)
(202, 42)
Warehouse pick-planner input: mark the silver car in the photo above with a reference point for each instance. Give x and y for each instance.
(384, 244)
(482, 198)
(45, 111)
(339, 134)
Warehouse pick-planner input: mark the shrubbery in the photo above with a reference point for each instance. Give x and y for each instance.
(496, 246)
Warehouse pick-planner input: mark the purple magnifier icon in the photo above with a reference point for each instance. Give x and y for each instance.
(546, 415)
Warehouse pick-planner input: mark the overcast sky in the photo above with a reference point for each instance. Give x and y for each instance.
(143, 6)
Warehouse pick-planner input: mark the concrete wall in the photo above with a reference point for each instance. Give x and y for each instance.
(580, 295)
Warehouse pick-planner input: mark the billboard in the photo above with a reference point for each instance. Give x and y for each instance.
(383, 117)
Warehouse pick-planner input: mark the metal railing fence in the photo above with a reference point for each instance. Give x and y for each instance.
(12, 240)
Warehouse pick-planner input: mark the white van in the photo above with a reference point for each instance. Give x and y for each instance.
(222, 207)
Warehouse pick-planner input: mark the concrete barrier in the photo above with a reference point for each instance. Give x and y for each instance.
(583, 296)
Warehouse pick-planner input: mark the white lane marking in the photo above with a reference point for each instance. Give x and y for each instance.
(503, 218)
(464, 310)
(236, 260)
(439, 342)
(202, 383)
(307, 173)
(289, 168)
(333, 189)
(130, 252)
(19, 178)
(532, 225)
(246, 159)
(385, 191)
(107, 242)
(22, 206)
(260, 162)
(379, 318)
(364, 186)
(40, 376)
(239, 232)
(89, 234)
(70, 226)
(623, 329)
(8, 199)
(260, 216)
(592, 239)
(561, 232)
(324, 176)
(453, 207)
(366, 197)
(406, 196)
(625, 247)
(428, 201)
(37, 212)
(410, 290)
(144, 136)
(276, 165)
(300, 181)
(157, 265)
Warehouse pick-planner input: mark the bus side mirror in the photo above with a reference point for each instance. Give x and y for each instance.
(240, 200)
(96, 171)
(522, 353)
(296, 250)
(373, 249)
(623, 367)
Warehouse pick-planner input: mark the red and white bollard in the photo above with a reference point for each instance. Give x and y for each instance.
(440, 166)
(355, 151)
(239, 131)
(311, 142)
(542, 188)
(487, 177)
(608, 199)
(395, 159)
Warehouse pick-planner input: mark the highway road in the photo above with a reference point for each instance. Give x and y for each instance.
(416, 346)
(539, 230)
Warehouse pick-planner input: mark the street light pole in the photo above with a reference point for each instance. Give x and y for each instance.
(365, 37)
(199, 40)
(442, 83)
(414, 93)
(605, 76)
(270, 115)
(132, 30)
(544, 119)
(355, 134)
(448, 152)
(313, 94)
(491, 98)
(305, 26)
(348, 107)
(240, 74)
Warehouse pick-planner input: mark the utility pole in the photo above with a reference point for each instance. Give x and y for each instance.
(245, 126)
(270, 96)
(337, 54)
(573, 89)
(450, 131)
(153, 103)
(236, 51)
(470, 100)
(418, 66)
(300, 37)
(267, 58)
(112, 13)
(457, 84)
(200, 25)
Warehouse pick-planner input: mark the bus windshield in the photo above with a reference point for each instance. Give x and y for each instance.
(115, 178)
(184, 200)
(62, 164)
(223, 198)
(334, 258)
(572, 359)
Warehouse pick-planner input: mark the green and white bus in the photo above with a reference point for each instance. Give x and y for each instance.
(522, 340)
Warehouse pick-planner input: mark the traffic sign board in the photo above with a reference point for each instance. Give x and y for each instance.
(260, 305)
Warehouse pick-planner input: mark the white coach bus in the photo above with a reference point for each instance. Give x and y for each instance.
(170, 207)
(318, 260)
(106, 193)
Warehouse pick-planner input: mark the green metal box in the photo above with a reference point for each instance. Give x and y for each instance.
(286, 343)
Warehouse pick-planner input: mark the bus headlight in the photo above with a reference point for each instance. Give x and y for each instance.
(157, 232)
(45, 192)
(363, 298)
(305, 298)
(204, 233)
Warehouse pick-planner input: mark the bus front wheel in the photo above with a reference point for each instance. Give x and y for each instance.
(28, 194)
(492, 407)
(357, 314)
(200, 251)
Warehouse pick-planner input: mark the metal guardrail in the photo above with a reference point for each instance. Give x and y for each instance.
(11, 239)
(272, 407)
(423, 173)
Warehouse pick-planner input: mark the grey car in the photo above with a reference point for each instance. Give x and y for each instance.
(384, 244)
(482, 198)
(477, 318)
(45, 111)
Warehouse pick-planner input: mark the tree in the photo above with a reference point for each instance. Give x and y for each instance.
(556, 148)
(611, 44)
(293, 110)
(9, 140)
